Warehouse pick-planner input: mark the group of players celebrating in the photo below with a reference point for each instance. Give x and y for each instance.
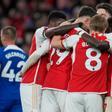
(70, 64)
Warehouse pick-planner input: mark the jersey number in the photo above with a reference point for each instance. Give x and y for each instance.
(11, 75)
(95, 59)
(62, 55)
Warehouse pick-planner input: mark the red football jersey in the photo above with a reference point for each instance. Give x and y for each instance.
(37, 72)
(89, 70)
(61, 64)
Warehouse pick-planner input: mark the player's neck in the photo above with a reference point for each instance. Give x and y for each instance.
(9, 43)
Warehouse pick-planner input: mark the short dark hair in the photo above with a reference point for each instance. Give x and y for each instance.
(9, 31)
(86, 11)
(98, 23)
(106, 6)
(56, 15)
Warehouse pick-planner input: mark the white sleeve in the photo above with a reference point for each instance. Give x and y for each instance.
(39, 36)
(40, 33)
(42, 50)
(109, 39)
(108, 35)
(70, 41)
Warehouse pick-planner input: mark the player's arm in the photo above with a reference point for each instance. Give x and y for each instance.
(36, 56)
(69, 42)
(66, 43)
(98, 44)
(60, 30)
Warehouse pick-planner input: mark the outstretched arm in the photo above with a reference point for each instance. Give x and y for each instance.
(69, 42)
(36, 56)
(60, 30)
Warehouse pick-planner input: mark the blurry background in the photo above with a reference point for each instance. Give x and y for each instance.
(27, 15)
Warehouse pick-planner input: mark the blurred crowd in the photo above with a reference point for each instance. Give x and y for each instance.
(27, 15)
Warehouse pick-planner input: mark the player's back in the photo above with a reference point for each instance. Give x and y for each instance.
(12, 58)
(89, 68)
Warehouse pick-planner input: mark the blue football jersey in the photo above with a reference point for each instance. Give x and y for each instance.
(12, 59)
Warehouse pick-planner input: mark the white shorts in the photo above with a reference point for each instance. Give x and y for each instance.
(30, 97)
(53, 101)
(108, 102)
(83, 102)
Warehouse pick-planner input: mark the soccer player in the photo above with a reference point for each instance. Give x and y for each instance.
(105, 9)
(12, 58)
(34, 77)
(88, 76)
(56, 82)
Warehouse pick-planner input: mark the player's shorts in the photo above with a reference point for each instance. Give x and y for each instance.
(108, 102)
(8, 105)
(31, 97)
(83, 102)
(53, 101)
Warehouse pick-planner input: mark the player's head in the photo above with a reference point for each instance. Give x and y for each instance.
(98, 23)
(8, 35)
(104, 9)
(86, 11)
(85, 15)
(56, 17)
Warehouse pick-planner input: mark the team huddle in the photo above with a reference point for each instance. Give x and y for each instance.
(69, 68)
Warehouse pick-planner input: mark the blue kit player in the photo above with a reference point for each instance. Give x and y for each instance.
(12, 59)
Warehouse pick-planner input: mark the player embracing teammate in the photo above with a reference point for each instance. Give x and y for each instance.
(77, 75)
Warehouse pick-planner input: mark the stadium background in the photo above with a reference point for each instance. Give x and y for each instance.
(27, 15)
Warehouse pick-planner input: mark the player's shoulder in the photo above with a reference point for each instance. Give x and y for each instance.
(2, 52)
(13, 47)
(40, 30)
(14, 50)
(74, 31)
(39, 33)
(1, 49)
(108, 36)
(78, 29)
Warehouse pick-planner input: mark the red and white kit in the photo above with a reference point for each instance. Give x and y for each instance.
(56, 82)
(34, 76)
(88, 76)
(58, 76)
